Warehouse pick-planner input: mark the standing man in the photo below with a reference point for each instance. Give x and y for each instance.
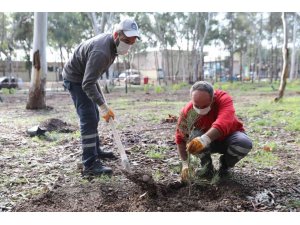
(90, 60)
(207, 125)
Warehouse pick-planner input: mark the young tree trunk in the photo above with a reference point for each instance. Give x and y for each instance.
(285, 55)
(293, 63)
(37, 92)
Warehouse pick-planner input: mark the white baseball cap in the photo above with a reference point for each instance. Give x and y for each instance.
(129, 27)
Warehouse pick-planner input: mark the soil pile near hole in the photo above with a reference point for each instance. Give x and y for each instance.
(58, 125)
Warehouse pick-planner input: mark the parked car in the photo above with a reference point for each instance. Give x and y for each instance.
(131, 75)
(9, 82)
(134, 79)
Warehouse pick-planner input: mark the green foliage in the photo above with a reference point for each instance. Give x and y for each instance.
(262, 158)
(158, 89)
(146, 88)
(5, 91)
(157, 175)
(176, 87)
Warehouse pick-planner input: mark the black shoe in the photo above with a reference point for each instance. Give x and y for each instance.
(97, 169)
(106, 155)
(224, 170)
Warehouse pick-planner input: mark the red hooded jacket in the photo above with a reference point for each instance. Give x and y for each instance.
(221, 116)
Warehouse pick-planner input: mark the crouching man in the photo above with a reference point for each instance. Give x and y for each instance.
(208, 125)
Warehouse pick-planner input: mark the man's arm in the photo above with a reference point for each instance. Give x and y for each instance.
(182, 151)
(213, 134)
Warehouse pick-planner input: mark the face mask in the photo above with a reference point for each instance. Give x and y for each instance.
(123, 48)
(202, 111)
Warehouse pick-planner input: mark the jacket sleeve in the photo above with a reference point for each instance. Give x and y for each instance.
(96, 64)
(180, 135)
(226, 115)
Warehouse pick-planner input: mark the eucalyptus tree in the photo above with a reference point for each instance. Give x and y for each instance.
(274, 30)
(180, 28)
(158, 28)
(285, 55)
(199, 27)
(227, 35)
(6, 45)
(23, 36)
(234, 32)
(37, 90)
(4, 35)
(66, 31)
(293, 71)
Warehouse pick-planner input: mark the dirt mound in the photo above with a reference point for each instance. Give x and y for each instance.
(58, 125)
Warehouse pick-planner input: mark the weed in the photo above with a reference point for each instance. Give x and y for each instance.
(157, 175)
(158, 89)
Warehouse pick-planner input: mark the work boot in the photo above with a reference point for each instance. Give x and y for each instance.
(97, 169)
(106, 155)
(224, 171)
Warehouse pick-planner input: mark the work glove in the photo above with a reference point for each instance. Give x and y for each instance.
(198, 144)
(185, 171)
(106, 112)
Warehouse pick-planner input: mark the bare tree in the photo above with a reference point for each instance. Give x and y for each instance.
(285, 55)
(293, 60)
(37, 93)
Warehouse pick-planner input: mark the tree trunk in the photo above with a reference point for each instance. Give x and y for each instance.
(37, 90)
(93, 18)
(259, 71)
(293, 64)
(285, 55)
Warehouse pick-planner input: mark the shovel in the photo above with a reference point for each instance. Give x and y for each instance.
(124, 160)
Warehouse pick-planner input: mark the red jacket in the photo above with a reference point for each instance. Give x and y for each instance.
(221, 116)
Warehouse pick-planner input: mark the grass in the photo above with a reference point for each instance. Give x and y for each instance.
(267, 114)
(294, 203)
(261, 158)
(258, 87)
(157, 175)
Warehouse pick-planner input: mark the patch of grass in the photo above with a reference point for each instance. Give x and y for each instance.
(7, 91)
(104, 179)
(33, 192)
(155, 152)
(157, 175)
(262, 158)
(179, 86)
(266, 114)
(176, 169)
(294, 203)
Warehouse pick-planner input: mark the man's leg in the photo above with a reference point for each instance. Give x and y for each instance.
(237, 145)
(87, 113)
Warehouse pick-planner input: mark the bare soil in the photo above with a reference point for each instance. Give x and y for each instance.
(51, 181)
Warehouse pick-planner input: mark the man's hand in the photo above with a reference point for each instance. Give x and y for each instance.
(184, 171)
(198, 144)
(106, 112)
